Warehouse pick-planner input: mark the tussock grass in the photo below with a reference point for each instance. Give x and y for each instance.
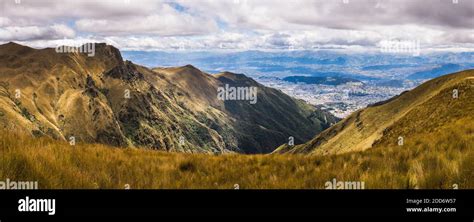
(424, 163)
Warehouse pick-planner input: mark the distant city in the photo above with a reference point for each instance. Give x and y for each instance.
(337, 82)
(341, 100)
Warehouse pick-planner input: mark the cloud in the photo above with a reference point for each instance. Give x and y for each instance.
(25, 33)
(238, 24)
(166, 23)
(301, 14)
(110, 17)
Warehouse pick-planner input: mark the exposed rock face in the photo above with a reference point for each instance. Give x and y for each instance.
(127, 72)
(102, 99)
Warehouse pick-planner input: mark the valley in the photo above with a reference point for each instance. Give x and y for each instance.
(167, 127)
(122, 104)
(382, 75)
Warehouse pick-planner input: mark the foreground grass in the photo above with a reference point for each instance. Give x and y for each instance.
(423, 164)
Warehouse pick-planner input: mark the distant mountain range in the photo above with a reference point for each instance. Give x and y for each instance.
(318, 63)
(45, 93)
(422, 138)
(435, 72)
(103, 99)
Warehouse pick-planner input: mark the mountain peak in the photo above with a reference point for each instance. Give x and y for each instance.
(229, 77)
(189, 66)
(186, 70)
(189, 69)
(89, 96)
(13, 47)
(104, 50)
(12, 44)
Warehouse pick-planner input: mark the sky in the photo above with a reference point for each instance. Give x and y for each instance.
(445, 25)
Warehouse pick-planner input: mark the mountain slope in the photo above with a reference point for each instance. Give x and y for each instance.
(424, 116)
(436, 72)
(55, 165)
(103, 99)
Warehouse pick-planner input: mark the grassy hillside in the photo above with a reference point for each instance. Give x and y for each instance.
(102, 99)
(428, 111)
(56, 164)
(64, 95)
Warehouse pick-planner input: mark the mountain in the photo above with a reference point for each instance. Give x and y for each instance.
(427, 116)
(435, 72)
(103, 99)
(364, 66)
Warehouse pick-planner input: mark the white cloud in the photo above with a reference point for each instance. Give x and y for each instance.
(167, 23)
(111, 17)
(4, 21)
(304, 14)
(239, 24)
(17, 33)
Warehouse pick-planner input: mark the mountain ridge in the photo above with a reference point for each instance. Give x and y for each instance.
(103, 99)
(376, 125)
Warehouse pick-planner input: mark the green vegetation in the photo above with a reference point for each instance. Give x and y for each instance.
(102, 99)
(437, 130)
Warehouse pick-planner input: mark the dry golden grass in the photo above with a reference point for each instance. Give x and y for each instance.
(429, 107)
(418, 164)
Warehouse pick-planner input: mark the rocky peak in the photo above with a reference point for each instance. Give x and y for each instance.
(108, 53)
(126, 71)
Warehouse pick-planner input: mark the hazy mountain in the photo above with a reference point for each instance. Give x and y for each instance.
(103, 99)
(435, 72)
(319, 63)
(424, 116)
